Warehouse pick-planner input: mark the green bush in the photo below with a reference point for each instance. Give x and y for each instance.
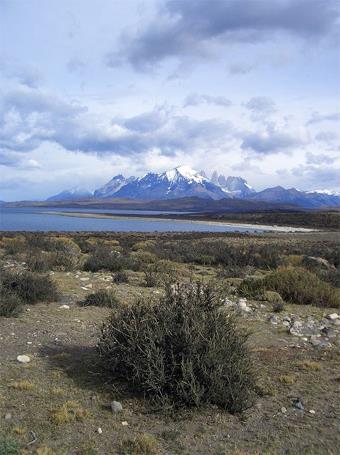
(151, 276)
(38, 262)
(30, 287)
(10, 303)
(103, 259)
(295, 285)
(101, 298)
(52, 253)
(182, 350)
(8, 447)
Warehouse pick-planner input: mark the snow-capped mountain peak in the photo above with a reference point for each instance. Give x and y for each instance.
(184, 172)
(179, 182)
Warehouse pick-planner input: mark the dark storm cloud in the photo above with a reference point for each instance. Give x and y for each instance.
(192, 28)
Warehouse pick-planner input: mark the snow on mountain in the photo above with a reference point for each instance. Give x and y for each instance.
(183, 182)
(179, 182)
(73, 194)
(328, 192)
(110, 188)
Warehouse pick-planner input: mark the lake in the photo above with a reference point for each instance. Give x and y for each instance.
(36, 219)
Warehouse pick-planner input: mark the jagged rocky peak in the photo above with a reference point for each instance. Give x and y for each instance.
(112, 187)
(236, 186)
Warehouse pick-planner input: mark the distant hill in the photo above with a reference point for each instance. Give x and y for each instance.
(74, 194)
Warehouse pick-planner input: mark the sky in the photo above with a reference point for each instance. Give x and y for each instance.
(90, 89)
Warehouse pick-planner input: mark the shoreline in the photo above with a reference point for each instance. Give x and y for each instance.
(260, 227)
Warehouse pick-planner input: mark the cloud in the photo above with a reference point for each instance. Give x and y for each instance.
(195, 99)
(326, 136)
(272, 140)
(260, 106)
(189, 28)
(30, 117)
(240, 68)
(24, 74)
(318, 118)
(147, 122)
(321, 158)
(313, 176)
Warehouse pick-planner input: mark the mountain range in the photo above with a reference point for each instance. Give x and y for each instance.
(184, 182)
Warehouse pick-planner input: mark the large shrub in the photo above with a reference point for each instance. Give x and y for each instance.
(182, 350)
(10, 303)
(52, 253)
(13, 245)
(30, 287)
(103, 258)
(295, 285)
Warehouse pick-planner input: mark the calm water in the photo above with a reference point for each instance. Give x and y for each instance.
(33, 219)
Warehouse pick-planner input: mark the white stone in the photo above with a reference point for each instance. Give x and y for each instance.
(311, 411)
(99, 430)
(333, 316)
(64, 307)
(23, 359)
(124, 423)
(116, 406)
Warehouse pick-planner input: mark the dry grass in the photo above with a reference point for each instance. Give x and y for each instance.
(58, 391)
(286, 379)
(69, 411)
(44, 450)
(309, 365)
(144, 444)
(22, 385)
(20, 430)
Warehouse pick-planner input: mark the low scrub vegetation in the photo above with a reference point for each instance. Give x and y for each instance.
(103, 298)
(181, 350)
(295, 285)
(219, 252)
(104, 259)
(8, 447)
(69, 411)
(31, 288)
(10, 303)
(121, 277)
(143, 444)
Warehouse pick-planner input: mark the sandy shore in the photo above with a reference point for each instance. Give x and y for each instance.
(260, 227)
